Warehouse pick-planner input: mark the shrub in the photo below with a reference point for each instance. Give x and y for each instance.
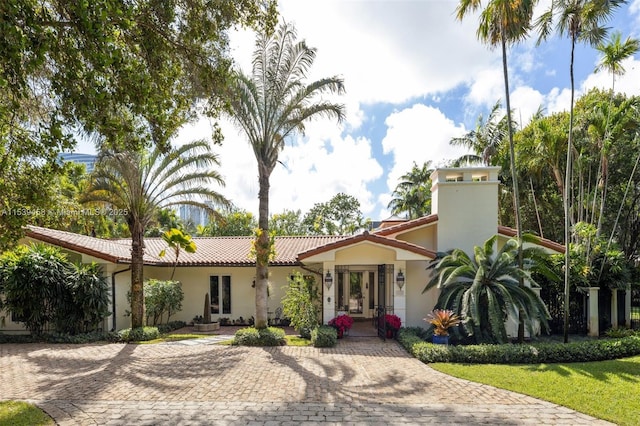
(170, 326)
(140, 334)
(300, 304)
(250, 336)
(160, 298)
(44, 289)
(535, 353)
(324, 336)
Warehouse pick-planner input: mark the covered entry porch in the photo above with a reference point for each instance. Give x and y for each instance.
(366, 276)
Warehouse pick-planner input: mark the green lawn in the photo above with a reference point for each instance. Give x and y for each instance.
(608, 390)
(17, 413)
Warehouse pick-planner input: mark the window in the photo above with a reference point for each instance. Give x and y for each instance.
(220, 294)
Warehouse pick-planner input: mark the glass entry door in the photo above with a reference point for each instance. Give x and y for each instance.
(356, 296)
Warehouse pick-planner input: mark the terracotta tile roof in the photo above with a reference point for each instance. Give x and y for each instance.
(366, 236)
(211, 251)
(544, 242)
(409, 224)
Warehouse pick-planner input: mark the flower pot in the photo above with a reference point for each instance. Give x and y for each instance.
(340, 333)
(391, 333)
(440, 340)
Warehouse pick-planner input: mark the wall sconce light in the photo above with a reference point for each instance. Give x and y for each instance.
(400, 279)
(328, 280)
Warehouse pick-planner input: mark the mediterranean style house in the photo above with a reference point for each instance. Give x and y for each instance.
(359, 274)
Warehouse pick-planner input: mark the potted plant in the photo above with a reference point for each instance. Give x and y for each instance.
(442, 320)
(393, 324)
(342, 323)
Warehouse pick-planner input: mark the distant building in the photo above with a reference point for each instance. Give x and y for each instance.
(193, 215)
(88, 160)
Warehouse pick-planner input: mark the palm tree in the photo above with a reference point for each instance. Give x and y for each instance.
(177, 240)
(271, 105)
(413, 193)
(484, 290)
(504, 22)
(485, 139)
(138, 184)
(581, 21)
(613, 53)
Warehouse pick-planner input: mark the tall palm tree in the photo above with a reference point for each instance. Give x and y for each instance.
(484, 290)
(581, 21)
(413, 193)
(505, 22)
(138, 184)
(613, 53)
(270, 105)
(485, 139)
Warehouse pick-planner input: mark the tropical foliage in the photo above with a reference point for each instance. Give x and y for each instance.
(177, 240)
(300, 304)
(271, 105)
(442, 320)
(46, 291)
(483, 290)
(413, 194)
(138, 184)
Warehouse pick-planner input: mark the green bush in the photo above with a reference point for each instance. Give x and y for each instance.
(301, 304)
(324, 337)
(535, 353)
(94, 336)
(140, 334)
(170, 326)
(250, 336)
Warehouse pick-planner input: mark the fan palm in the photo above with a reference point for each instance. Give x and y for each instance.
(581, 21)
(485, 139)
(484, 290)
(138, 184)
(271, 105)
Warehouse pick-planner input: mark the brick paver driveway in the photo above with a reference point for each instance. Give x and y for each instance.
(361, 381)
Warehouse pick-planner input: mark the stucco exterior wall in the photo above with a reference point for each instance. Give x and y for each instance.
(418, 304)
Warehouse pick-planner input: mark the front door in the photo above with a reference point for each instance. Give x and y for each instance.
(385, 298)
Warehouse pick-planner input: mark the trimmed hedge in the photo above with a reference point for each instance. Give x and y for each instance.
(140, 334)
(171, 326)
(536, 353)
(324, 336)
(250, 336)
(94, 336)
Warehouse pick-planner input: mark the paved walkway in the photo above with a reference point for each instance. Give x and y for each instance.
(361, 381)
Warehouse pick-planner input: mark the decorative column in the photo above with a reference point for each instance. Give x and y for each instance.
(400, 294)
(594, 325)
(627, 306)
(328, 294)
(614, 308)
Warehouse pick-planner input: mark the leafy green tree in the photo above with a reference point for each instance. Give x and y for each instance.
(234, 222)
(413, 193)
(484, 289)
(339, 216)
(125, 73)
(137, 184)
(505, 22)
(300, 304)
(177, 240)
(289, 222)
(581, 21)
(270, 106)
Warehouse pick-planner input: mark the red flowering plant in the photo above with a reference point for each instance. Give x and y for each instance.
(393, 322)
(342, 323)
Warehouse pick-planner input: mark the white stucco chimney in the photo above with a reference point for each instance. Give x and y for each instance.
(466, 202)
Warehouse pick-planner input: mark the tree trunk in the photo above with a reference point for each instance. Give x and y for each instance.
(137, 274)
(567, 194)
(262, 249)
(514, 178)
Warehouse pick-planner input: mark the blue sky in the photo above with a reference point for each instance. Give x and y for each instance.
(415, 77)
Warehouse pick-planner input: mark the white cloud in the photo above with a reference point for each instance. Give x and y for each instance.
(418, 134)
(525, 102)
(628, 83)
